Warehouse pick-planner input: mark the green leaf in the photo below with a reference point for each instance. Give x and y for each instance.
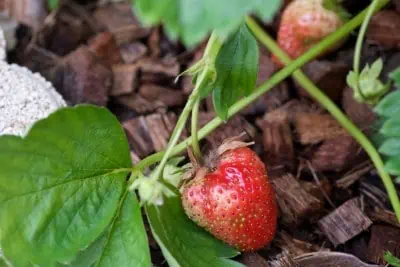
(390, 147)
(122, 244)
(193, 20)
(126, 243)
(391, 127)
(60, 186)
(393, 165)
(389, 105)
(395, 76)
(221, 107)
(91, 255)
(237, 68)
(376, 68)
(352, 80)
(182, 242)
(52, 4)
(392, 260)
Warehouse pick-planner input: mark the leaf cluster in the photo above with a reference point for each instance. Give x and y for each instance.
(388, 109)
(367, 86)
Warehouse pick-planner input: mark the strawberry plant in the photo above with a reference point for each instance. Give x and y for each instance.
(68, 191)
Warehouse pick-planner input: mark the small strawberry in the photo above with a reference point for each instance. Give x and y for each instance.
(306, 22)
(235, 201)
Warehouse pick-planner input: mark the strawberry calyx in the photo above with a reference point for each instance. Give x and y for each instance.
(211, 161)
(232, 143)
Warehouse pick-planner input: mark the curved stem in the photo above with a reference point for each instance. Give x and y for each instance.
(361, 34)
(211, 51)
(195, 139)
(329, 105)
(180, 125)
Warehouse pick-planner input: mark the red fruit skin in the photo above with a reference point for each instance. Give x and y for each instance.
(303, 24)
(236, 202)
(289, 42)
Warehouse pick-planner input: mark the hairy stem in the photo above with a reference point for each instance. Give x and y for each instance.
(328, 104)
(195, 139)
(265, 87)
(210, 53)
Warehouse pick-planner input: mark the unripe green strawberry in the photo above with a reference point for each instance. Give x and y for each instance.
(235, 202)
(306, 22)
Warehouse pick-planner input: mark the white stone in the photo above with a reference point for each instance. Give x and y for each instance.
(3, 46)
(25, 97)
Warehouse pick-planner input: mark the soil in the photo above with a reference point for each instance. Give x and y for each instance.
(329, 195)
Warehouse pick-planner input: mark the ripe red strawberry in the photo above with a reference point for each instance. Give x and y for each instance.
(306, 22)
(235, 202)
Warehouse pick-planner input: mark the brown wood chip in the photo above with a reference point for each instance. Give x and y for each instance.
(140, 105)
(330, 259)
(125, 79)
(294, 202)
(234, 127)
(170, 97)
(354, 174)
(295, 247)
(105, 46)
(284, 260)
(69, 31)
(360, 113)
(84, 78)
(168, 67)
(278, 143)
(383, 238)
(131, 52)
(336, 154)
(383, 215)
(329, 76)
(148, 134)
(252, 259)
(313, 128)
(383, 29)
(345, 222)
(118, 18)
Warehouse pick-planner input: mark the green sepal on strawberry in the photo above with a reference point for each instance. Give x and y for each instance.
(306, 22)
(234, 200)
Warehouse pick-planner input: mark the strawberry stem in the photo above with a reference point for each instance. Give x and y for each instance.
(213, 46)
(361, 34)
(329, 105)
(195, 139)
(353, 78)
